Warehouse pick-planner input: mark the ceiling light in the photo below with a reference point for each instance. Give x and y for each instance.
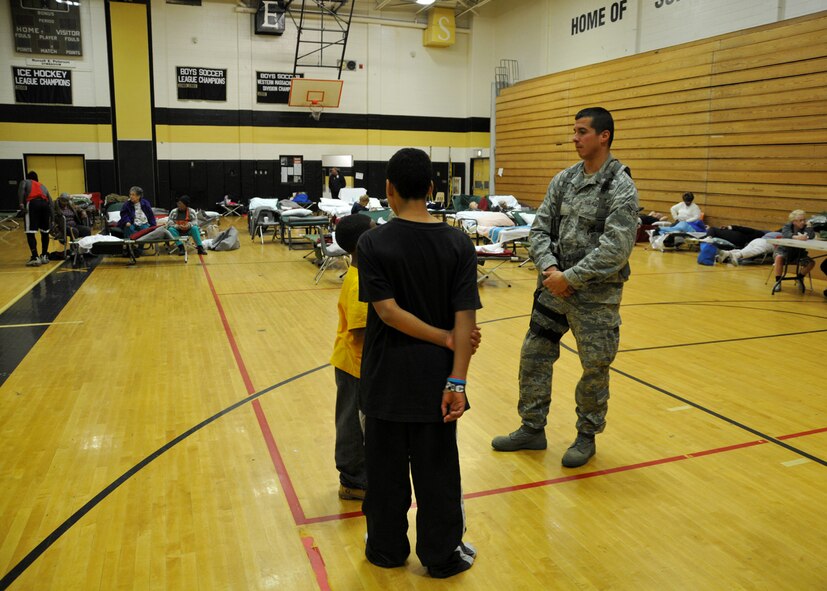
(425, 2)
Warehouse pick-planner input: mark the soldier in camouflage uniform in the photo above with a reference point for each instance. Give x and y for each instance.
(581, 240)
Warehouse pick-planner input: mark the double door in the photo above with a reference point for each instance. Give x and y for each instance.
(60, 173)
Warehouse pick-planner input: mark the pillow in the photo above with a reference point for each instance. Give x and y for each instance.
(298, 212)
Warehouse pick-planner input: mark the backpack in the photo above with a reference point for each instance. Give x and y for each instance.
(706, 256)
(302, 199)
(226, 240)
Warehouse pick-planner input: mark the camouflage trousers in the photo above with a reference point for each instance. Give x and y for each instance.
(596, 328)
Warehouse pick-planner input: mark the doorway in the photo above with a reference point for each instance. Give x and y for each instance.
(481, 167)
(60, 173)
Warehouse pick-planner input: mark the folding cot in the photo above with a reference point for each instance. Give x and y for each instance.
(7, 221)
(290, 220)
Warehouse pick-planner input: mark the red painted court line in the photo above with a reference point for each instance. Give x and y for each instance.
(582, 476)
(264, 426)
(235, 293)
(585, 475)
(286, 484)
(803, 433)
(248, 383)
(317, 562)
(717, 450)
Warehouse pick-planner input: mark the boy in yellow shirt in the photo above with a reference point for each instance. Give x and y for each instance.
(346, 360)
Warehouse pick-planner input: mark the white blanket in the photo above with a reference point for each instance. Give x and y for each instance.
(508, 200)
(351, 194)
(86, 243)
(256, 202)
(335, 207)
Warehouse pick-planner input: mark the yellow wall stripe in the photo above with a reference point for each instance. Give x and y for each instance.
(130, 66)
(195, 134)
(171, 134)
(54, 132)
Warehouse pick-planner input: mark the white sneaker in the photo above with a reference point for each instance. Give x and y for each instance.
(722, 256)
(44, 259)
(33, 262)
(734, 257)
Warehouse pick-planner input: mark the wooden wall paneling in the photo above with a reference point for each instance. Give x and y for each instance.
(729, 118)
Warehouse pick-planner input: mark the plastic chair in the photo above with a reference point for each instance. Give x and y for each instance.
(330, 254)
(777, 285)
(265, 218)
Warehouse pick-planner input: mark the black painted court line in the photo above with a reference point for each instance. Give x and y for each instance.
(724, 418)
(739, 306)
(711, 412)
(44, 545)
(34, 312)
(717, 341)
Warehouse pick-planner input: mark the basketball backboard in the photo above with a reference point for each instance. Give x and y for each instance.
(309, 92)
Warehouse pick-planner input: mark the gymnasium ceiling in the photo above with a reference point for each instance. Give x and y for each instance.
(410, 10)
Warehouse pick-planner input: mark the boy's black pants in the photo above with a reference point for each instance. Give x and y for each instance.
(430, 451)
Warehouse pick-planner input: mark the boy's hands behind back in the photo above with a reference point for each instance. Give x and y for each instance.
(453, 405)
(476, 338)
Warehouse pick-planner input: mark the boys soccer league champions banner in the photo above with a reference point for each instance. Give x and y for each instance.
(206, 84)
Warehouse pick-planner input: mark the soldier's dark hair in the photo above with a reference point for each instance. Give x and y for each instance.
(601, 120)
(349, 229)
(410, 172)
(32, 176)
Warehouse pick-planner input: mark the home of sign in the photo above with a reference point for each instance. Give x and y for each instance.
(597, 17)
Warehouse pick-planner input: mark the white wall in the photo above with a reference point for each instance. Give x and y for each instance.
(641, 25)
(397, 75)
(688, 20)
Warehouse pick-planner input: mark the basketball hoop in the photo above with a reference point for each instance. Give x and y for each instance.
(315, 109)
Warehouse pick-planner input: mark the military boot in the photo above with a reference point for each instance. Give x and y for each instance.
(523, 438)
(580, 451)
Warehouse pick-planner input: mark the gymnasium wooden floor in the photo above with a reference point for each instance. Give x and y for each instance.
(170, 426)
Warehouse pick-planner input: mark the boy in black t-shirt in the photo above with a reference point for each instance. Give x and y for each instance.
(419, 275)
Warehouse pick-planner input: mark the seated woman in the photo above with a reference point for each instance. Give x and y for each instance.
(76, 220)
(795, 229)
(182, 221)
(136, 213)
(687, 216)
(686, 210)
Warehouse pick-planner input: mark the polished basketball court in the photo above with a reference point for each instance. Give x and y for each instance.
(170, 426)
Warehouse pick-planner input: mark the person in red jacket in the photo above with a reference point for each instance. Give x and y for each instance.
(36, 204)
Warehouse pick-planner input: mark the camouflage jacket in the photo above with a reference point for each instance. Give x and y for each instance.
(590, 246)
